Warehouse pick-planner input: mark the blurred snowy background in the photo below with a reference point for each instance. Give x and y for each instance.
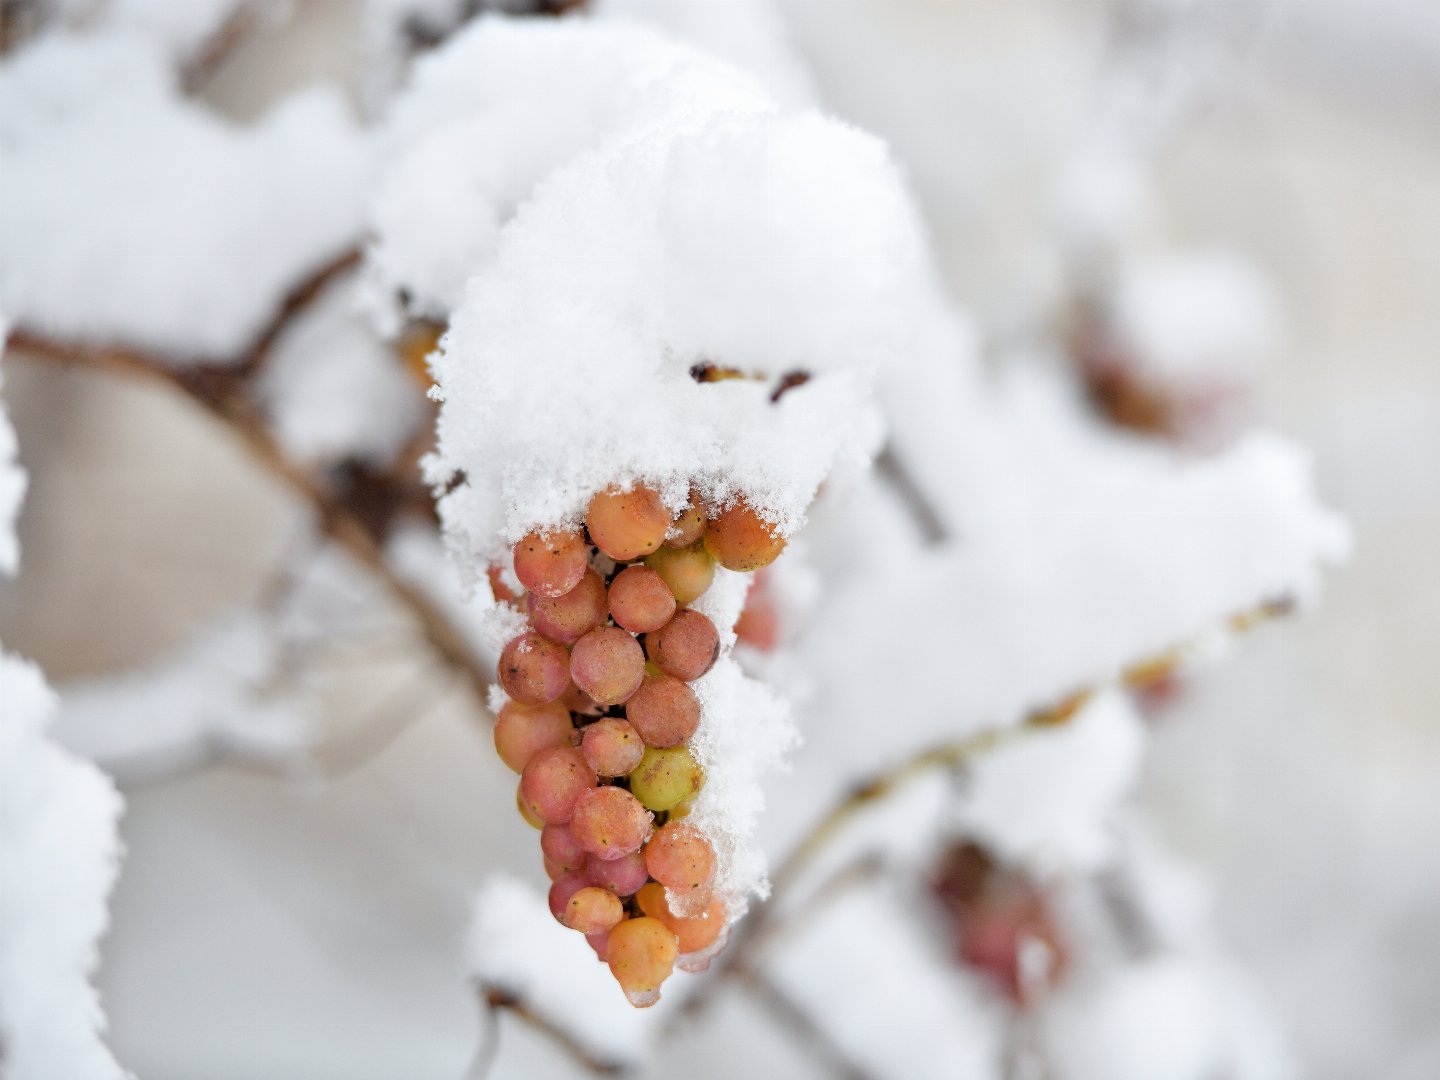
(269, 923)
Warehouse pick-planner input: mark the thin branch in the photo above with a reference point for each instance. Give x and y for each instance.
(332, 518)
(933, 529)
(785, 1012)
(496, 998)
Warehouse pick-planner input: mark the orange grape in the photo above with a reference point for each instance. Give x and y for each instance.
(679, 857)
(740, 539)
(522, 731)
(692, 932)
(641, 955)
(627, 524)
(640, 600)
(592, 910)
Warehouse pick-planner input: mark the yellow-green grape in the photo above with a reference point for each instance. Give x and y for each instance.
(665, 778)
(688, 571)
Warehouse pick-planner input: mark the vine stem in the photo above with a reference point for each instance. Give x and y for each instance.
(222, 392)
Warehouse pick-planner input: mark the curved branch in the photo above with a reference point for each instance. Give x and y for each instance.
(221, 391)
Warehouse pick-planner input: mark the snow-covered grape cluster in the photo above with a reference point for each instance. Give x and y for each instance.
(600, 713)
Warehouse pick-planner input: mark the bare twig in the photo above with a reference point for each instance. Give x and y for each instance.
(230, 406)
(496, 998)
(812, 1036)
(933, 529)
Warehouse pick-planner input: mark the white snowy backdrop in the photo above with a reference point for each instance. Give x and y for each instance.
(282, 914)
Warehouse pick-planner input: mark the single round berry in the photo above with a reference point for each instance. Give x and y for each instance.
(566, 619)
(522, 731)
(687, 571)
(665, 778)
(622, 876)
(685, 647)
(640, 601)
(612, 747)
(561, 848)
(534, 671)
(610, 822)
(627, 524)
(688, 525)
(608, 664)
(551, 564)
(593, 910)
(740, 539)
(553, 782)
(680, 858)
(641, 954)
(664, 711)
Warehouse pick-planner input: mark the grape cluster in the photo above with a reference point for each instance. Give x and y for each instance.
(601, 714)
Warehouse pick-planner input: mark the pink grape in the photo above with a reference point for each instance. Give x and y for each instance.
(680, 858)
(627, 524)
(687, 571)
(740, 539)
(640, 600)
(551, 564)
(664, 711)
(685, 647)
(608, 664)
(553, 782)
(612, 747)
(560, 847)
(534, 671)
(600, 943)
(622, 876)
(593, 910)
(566, 619)
(563, 888)
(522, 731)
(641, 955)
(610, 822)
(554, 871)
